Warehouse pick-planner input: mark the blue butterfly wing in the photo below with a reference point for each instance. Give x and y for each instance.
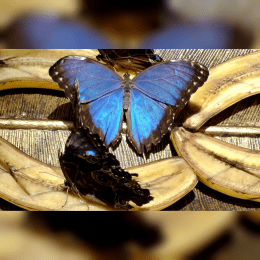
(148, 120)
(95, 79)
(172, 82)
(104, 116)
(157, 94)
(100, 94)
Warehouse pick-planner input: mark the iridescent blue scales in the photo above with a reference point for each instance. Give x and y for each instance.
(90, 169)
(148, 102)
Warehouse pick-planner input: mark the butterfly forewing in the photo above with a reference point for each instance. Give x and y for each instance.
(156, 117)
(95, 79)
(172, 81)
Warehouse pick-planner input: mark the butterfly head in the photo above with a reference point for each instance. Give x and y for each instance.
(127, 76)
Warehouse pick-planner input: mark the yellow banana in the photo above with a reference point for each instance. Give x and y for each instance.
(228, 83)
(33, 185)
(227, 168)
(30, 68)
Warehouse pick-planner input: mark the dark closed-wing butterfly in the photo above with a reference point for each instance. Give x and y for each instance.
(90, 169)
(134, 59)
(149, 101)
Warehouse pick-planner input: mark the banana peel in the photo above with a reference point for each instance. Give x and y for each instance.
(29, 68)
(33, 185)
(224, 167)
(229, 82)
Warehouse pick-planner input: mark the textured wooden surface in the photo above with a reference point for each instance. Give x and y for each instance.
(52, 105)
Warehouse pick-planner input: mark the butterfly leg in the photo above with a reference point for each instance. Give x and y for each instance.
(121, 203)
(76, 103)
(66, 183)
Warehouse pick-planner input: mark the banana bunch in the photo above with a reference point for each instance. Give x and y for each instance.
(33, 185)
(224, 167)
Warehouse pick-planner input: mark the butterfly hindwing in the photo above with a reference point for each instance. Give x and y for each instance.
(155, 119)
(104, 116)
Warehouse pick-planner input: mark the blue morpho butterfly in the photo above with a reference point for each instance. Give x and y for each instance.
(90, 169)
(149, 101)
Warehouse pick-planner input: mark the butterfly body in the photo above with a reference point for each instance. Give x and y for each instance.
(149, 101)
(90, 169)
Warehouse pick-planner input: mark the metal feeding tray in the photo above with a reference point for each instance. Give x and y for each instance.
(36, 118)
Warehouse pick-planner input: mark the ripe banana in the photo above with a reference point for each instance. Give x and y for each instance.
(228, 83)
(30, 68)
(227, 168)
(33, 185)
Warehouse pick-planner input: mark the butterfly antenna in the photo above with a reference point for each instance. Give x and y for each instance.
(115, 70)
(83, 199)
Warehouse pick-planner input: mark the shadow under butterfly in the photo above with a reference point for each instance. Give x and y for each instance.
(148, 102)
